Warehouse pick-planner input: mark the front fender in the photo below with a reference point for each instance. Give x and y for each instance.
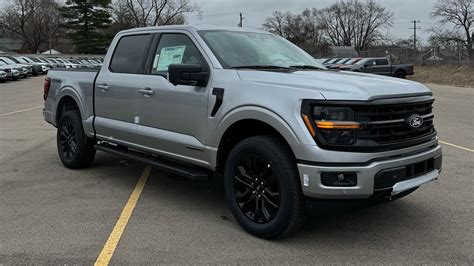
(255, 113)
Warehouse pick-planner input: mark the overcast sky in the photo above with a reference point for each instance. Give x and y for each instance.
(226, 12)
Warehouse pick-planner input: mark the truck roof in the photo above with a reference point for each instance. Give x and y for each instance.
(194, 28)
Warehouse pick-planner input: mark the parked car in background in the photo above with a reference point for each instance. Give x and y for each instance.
(58, 63)
(34, 60)
(347, 63)
(337, 62)
(331, 61)
(35, 69)
(22, 69)
(3, 76)
(383, 66)
(11, 73)
(7, 70)
(66, 63)
(38, 67)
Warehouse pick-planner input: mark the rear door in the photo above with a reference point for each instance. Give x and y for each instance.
(383, 67)
(172, 119)
(117, 87)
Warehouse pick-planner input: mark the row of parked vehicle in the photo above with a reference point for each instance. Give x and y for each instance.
(373, 65)
(16, 67)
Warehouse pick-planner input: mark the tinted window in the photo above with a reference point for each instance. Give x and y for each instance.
(369, 63)
(381, 62)
(129, 54)
(175, 49)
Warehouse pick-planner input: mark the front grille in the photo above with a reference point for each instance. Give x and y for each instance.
(387, 126)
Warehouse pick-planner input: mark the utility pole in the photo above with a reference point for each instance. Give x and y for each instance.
(241, 20)
(414, 34)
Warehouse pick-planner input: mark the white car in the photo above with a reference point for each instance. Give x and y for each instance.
(3, 76)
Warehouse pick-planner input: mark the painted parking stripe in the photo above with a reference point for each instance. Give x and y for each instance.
(114, 238)
(21, 111)
(456, 146)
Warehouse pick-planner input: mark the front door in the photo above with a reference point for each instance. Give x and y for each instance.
(172, 119)
(116, 90)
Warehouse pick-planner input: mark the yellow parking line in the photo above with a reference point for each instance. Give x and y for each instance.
(21, 111)
(111, 244)
(456, 146)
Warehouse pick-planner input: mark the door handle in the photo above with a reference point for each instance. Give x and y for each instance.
(103, 87)
(147, 92)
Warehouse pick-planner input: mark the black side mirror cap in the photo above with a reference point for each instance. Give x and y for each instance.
(186, 74)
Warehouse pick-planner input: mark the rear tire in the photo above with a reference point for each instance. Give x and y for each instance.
(401, 74)
(75, 149)
(263, 188)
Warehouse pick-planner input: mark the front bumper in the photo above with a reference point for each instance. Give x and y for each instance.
(310, 176)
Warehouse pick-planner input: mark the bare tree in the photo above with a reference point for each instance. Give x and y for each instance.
(277, 23)
(345, 23)
(355, 23)
(32, 21)
(302, 29)
(142, 13)
(460, 15)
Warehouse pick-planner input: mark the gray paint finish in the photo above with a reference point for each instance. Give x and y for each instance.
(175, 121)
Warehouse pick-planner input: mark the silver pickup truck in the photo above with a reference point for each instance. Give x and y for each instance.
(278, 126)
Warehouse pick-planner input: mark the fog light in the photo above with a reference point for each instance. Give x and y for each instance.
(335, 179)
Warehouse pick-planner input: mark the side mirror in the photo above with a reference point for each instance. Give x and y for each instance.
(183, 74)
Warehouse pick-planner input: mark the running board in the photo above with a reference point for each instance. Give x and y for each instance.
(193, 172)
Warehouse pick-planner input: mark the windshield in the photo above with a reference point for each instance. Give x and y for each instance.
(236, 49)
(8, 61)
(37, 60)
(21, 60)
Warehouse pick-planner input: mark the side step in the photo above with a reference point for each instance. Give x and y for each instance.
(193, 172)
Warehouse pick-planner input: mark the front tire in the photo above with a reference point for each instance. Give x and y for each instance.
(75, 149)
(262, 187)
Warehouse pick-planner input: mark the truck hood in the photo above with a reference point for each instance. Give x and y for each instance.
(339, 85)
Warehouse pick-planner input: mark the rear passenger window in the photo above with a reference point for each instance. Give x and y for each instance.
(130, 54)
(382, 62)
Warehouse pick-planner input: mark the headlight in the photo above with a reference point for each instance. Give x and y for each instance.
(330, 125)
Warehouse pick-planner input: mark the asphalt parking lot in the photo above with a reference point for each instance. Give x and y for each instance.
(52, 215)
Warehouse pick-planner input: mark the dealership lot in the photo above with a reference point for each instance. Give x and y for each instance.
(49, 214)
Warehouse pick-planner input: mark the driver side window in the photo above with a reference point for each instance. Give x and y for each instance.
(175, 49)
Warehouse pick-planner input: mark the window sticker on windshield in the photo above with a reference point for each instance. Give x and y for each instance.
(170, 55)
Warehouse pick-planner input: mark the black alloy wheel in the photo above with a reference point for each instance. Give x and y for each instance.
(263, 188)
(68, 140)
(256, 189)
(75, 149)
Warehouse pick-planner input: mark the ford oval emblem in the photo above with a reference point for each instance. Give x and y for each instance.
(415, 121)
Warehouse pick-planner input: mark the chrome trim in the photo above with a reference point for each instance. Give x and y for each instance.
(414, 182)
(431, 115)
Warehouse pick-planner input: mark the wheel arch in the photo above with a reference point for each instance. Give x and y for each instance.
(68, 96)
(66, 103)
(247, 123)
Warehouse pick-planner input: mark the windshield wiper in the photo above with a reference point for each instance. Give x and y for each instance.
(260, 67)
(307, 67)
